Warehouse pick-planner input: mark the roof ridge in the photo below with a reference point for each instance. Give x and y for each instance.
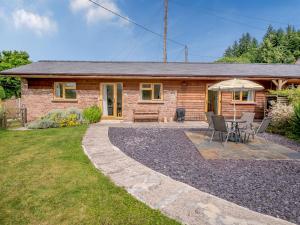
(158, 62)
(95, 61)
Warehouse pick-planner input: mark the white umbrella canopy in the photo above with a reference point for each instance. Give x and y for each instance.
(236, 85)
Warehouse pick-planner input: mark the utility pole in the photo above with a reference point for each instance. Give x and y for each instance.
(165, 31)
(186, 54)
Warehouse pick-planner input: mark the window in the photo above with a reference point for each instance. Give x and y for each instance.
(243, 96)
(65, 90)
(151, 92)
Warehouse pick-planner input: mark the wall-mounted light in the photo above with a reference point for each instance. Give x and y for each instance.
(184, 83)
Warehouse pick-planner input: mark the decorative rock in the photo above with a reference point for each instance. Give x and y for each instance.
(176, 199)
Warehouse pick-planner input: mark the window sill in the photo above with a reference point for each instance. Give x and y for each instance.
(65, 100)
(243, 103)
(150, 102)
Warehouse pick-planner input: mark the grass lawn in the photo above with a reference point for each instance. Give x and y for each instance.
(45, 178)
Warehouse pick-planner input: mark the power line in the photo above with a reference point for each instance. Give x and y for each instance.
(138, 38)
(249, 17)
(185, 47)
(235, 21)
(223, 18)
(135, 23)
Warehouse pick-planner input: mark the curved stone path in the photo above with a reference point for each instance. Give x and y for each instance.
(177, 200)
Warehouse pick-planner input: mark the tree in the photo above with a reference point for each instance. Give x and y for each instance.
(8, 60)
(2, 93)
(270, 54)
(240, 59)
(277, 46)
(239, 51)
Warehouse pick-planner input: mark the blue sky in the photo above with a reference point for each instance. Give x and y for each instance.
(77, 30)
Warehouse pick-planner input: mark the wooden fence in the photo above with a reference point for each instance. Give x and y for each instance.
(3, 120)
(12, 111)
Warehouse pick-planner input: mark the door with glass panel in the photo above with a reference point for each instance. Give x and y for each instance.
(112, 100)
(213, 101)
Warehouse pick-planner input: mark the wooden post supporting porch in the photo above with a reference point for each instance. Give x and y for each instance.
(279, 83)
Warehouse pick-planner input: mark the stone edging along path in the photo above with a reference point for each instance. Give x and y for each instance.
(175, 199)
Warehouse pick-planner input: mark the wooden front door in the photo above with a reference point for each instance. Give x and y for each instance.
(112, 100)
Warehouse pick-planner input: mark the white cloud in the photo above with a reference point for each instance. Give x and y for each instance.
(32, 21)
(94, 13)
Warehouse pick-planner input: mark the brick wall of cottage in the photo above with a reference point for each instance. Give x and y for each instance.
(37, 96)
(131, 97)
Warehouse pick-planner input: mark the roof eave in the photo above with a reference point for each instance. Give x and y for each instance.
(141, 76)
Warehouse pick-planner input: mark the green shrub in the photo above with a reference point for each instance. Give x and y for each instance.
(92, 114)
(296, 121)
(42, 124)
(281, 118)
(293, 94)
(59, 118)
(65, 117)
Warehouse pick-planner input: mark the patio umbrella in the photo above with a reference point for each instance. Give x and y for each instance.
(235, 85)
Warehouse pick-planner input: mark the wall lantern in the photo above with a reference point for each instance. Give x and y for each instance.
(184, 83)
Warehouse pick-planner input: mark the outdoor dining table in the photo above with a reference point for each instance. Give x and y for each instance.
(235, 127)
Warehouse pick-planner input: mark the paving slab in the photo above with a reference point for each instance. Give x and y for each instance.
(177, 200)
(257, 149)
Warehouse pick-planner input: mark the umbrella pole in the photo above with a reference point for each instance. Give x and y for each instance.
(234, 109)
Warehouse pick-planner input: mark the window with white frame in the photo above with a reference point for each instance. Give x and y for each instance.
(65, 90)
(151, 91)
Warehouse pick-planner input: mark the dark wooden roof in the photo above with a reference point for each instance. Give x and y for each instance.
(154, 69)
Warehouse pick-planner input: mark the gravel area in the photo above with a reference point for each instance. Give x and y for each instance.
(269, 187)
(279, 139)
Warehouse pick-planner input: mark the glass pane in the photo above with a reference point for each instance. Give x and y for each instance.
(157, 91)
(70, 93)
(236, 95)
(146, 94)
(110, 99)
(146, 85)
(119, 99)
(251, 96)
(58, 90)
(212, 103)
(248, 96)
(244, 95)
(70, 84)
(216, 102)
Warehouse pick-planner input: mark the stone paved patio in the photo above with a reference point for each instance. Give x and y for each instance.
(178, 200)
(255, 149)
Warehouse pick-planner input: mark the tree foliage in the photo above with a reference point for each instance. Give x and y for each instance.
(277, 46)
(2, 93)
(8, 60)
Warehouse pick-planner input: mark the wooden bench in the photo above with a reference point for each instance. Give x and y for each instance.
(145, 115)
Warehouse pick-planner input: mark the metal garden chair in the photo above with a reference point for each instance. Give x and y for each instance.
(209, 116)
(221, 127)
(260, 130)
(249, 118)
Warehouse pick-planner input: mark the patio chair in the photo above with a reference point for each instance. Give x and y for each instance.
(260, 130)
(249, 118)
(220, 126)
(209, 116)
